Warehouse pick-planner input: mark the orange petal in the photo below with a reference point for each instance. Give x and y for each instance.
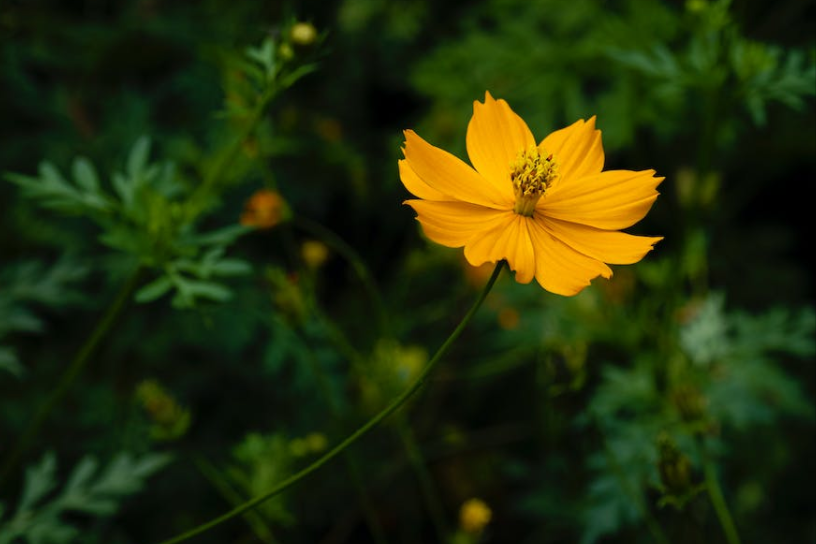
(561, 269)
(577, 149)
(447, 174)
(495, 136)
(611, 200)
(609, 246)
(416, 186)
(452, 224)
(509, 240)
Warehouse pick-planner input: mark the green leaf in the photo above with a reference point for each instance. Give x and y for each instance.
(264, 55)
(231, 267)
(154, 290)
(39, 481)
(137, 160)
(124, 187)
(210, 290)
(85, 175)
(9, 362)
(220, 237)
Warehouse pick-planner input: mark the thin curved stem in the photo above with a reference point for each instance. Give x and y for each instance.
(716, 495)
(217, 480)
(356, 435)
(70, 374)
(198, 200)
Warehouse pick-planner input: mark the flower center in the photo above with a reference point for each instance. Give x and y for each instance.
(532, 173)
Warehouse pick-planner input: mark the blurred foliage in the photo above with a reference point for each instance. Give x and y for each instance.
(43, 517)
(239, 160)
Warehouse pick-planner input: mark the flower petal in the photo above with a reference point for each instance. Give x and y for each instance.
(561, 269)
(416, 186)
(609, 246)
(509, 240)
(577, 148)
(495, 136)
(611, 200)
(452, 224)
(447, 174)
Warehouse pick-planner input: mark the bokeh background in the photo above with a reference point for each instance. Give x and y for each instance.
(605, 417)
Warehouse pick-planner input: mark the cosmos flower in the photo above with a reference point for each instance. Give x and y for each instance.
(548, 209)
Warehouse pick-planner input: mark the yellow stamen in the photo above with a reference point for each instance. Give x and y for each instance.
(532, 173)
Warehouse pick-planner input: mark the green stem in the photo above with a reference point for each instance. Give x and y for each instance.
(70, 374)
(356, 435)
(716, 495)
(254, 519)
(426, 484)
(198, 200)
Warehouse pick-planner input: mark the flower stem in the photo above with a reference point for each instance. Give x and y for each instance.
(254, 519)
(716, 495)
(198, 201)
(70, 374)
(356, 435)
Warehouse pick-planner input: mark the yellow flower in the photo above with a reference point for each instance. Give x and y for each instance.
(547, 209)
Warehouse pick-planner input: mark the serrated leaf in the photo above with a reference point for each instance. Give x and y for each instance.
(264, 55)
(209, 290)
(51, 175)
(10, 363)
(154, 290)
(124, 188)
(85, 174)
(222, 237)
(289, 79)
(39, 481)
(149, 464)
(81, 474)
(231, 267)
(137, 159)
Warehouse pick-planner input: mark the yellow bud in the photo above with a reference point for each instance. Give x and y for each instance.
(303, 34)
(474, 515)
(316, 441)
(314, 253)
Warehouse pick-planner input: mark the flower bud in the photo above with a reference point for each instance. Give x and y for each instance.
(474, 515)
(303, 34)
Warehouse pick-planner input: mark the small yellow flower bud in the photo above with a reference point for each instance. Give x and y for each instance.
(303, 34)
(298, 447)
(285, 51)
(314, 253)
(317, 442)
(474, 515)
